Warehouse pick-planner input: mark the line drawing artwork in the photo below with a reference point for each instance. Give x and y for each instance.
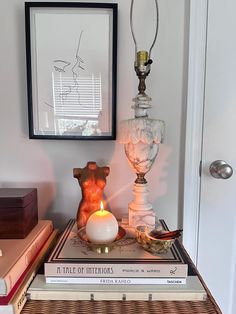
(77, 99)
(71, 58)
(61, 65)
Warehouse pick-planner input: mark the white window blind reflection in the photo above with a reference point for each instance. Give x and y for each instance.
(77, 103)
(80, 98)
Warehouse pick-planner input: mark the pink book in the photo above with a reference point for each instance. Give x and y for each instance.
(19, 253)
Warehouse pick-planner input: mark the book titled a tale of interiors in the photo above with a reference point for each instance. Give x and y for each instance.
(73, 258)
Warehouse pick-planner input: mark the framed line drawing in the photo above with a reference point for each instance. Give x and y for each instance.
(71, 51)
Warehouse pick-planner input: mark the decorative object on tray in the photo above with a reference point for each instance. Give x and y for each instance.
(155, 241)
(141, 136)
(100, 247)
(101, 227)
(101, 230)
(92, 180)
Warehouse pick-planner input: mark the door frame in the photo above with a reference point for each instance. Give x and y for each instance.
(194, 124)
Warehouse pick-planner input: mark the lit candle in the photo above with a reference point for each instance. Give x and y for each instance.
(102, 226)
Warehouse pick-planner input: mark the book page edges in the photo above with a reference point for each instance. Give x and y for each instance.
(20, 297)
(24, 260)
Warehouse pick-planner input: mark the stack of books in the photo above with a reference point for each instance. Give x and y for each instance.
(19, 263)
(75, 272)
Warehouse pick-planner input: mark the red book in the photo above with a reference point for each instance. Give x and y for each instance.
(17, 254)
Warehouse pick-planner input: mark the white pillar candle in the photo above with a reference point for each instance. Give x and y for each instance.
(102, 227)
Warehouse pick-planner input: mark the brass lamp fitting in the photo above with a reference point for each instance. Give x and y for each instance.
(142, 68)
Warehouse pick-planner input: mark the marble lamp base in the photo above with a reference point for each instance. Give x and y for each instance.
(142, 217)
(140, 210)
(140, 201)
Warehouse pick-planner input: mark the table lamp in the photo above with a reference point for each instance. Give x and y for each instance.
(141, 136)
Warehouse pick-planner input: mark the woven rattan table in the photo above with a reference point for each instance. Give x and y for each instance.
(116, 307)
(208, 306)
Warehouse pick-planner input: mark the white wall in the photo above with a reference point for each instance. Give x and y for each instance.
(48, 164)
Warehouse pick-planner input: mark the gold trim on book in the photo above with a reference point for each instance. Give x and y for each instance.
(56, 258)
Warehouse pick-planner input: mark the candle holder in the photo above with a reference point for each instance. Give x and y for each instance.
(101, 248)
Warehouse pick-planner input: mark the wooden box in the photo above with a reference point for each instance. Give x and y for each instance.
(18, 212)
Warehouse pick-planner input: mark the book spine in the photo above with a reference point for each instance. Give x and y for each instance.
(116, 281)
(40, 290)
(13, 275)
(115, 270)
(19, 299)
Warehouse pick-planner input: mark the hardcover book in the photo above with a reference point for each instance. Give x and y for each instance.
(15, 300)
(18, 254)
(72, 257)
(116, 281)
(191, 291)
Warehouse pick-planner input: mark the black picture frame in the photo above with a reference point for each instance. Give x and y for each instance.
(71, 54)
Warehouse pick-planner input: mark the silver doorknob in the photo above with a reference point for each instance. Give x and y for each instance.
(220, 169)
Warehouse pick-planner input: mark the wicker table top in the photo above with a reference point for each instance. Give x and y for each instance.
(208, 306)
(116, 307)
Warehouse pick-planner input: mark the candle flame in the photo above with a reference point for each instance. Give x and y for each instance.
(101, 206)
